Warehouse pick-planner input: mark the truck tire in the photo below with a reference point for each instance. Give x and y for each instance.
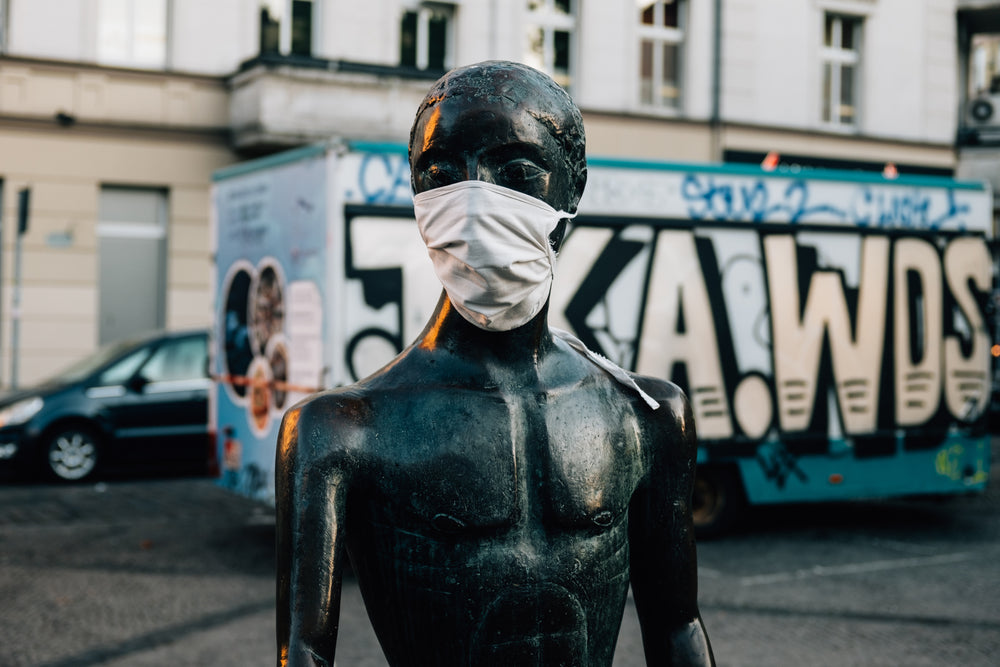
(718, 502)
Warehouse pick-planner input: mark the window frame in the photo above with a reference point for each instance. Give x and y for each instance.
(286, 22)
(836, 57)
(424, 12)
(659, 36)
(547, 19)
(130, 59)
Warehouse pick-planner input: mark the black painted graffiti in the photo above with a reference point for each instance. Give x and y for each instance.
(778, 464)
(812, 333)
(815, 335)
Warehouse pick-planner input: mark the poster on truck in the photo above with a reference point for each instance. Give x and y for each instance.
(270, 315)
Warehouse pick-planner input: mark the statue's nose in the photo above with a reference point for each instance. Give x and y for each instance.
(475, 170)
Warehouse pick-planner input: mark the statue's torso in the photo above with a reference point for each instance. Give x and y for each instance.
(491, 528)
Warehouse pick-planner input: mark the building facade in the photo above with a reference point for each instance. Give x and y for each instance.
(115, 113)
(115, 125)
(978, 136)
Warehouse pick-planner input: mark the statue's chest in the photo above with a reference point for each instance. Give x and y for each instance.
(485, 463)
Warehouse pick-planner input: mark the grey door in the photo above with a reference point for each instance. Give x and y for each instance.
(131, 239)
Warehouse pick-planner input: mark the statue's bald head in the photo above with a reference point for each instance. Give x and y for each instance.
(517, 88)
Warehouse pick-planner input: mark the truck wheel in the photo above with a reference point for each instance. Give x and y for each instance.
(71, 453)
(718, 501)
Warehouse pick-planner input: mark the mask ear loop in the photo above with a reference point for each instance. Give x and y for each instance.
(610, 367)
(613, 369)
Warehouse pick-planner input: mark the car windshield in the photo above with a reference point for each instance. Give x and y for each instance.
(88, 365)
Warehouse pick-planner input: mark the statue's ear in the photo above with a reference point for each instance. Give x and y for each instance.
(556, 237)
(579, 183)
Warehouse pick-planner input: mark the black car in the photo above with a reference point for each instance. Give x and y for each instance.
(137, 401)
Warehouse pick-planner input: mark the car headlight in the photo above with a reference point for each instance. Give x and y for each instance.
(21, 411)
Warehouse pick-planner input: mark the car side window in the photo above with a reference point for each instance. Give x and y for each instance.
(123, 369)
(181, 359)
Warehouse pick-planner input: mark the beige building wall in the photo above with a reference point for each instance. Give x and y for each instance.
(129, 129)
(836, 146)
(636, 137)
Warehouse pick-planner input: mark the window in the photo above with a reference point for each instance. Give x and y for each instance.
(281, 35)
(841, 59)
(424, 38)
(121, 371)
(178, 360)
(660, 37)
(550, 38)
(132, 33)
(984, 65)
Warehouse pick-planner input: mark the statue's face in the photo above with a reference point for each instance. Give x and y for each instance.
(493, 139)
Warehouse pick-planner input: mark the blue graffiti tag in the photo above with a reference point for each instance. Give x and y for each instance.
(910, 209)
(709, 198)
(384, 178)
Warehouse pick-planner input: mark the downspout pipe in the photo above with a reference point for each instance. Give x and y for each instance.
(715, 121)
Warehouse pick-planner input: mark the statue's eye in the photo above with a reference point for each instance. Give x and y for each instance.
(437, 175)
(523, 175)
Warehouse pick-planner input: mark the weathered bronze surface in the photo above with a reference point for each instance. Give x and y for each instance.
(496, 492)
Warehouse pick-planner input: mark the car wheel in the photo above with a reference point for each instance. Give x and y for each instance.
(718, 501)
(72, 453)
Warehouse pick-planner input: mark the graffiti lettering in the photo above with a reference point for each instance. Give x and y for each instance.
(678, 328)
(798, 340)
(778, 464)
(384, 178)
(967, 264)
(397, 290)
(797, 201)
(829, 323)
(822, 336)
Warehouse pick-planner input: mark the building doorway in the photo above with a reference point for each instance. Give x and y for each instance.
(132, 253)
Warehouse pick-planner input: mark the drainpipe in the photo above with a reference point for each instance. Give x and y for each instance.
(495, 19)
(715, 122)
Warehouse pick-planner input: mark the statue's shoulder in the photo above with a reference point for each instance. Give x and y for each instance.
(673, 422)
(672, 399)
(326, 424)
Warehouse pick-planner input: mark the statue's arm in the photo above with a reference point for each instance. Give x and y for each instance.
(664, 569)
(310, 500)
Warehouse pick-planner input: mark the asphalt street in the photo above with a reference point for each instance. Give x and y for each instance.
(177, 571)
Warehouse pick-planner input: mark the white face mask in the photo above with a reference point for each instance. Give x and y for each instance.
(490, 249)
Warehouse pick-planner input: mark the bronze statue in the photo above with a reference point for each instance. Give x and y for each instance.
(496, 488)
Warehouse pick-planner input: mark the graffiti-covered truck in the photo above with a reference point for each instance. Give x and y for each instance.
(829, 328)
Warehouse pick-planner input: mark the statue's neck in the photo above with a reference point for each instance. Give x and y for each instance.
(448, 330)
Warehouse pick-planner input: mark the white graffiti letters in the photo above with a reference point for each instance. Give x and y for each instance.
(856, 352)
(918, 311)
(967, 261)
(839, 333)
(677, 294)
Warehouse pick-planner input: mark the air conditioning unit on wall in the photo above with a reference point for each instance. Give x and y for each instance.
(984, 111)
(982, 120)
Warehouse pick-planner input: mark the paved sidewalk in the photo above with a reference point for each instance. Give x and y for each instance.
(180, 572)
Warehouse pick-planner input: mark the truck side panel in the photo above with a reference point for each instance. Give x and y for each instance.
(829, 330)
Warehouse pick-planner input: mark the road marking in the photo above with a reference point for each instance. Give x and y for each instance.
(854, 568)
